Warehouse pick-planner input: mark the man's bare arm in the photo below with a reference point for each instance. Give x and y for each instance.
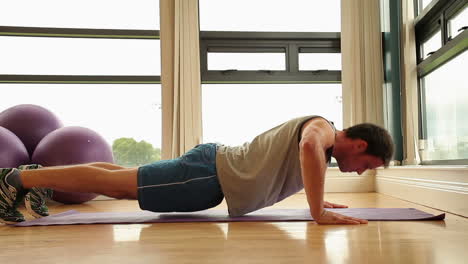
(316, 138)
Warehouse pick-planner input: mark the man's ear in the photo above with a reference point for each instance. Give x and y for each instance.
(361, 145)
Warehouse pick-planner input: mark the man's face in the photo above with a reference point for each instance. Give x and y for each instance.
(359, 163)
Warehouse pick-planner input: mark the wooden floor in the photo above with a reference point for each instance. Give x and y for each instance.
(294, 242)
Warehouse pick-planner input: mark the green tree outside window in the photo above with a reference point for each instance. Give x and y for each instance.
(130, 153)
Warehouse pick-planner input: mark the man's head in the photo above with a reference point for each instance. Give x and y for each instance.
(364, 146)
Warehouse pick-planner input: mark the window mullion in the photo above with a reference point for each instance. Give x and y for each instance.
(443, 29)
(292, 58)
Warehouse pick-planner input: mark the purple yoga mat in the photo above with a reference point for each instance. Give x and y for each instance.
(265, 215)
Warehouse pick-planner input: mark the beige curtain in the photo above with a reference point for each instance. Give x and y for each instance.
(409, 86)
(362, 64)
(180, 77)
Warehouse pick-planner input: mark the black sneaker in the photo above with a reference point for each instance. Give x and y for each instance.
(35, 200)
(10, 197)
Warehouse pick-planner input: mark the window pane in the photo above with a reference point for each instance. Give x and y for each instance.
(246, 61)
(424, 3)
(432, 44)
(446, 102)
(236, 113)
(113, 111)
(459, 21)
(265, 15)
(74, 56)
(320, 61)
(109, 14)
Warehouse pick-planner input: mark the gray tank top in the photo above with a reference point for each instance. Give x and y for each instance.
(265, 171)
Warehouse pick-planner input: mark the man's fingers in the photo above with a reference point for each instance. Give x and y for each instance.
(339, 206)
(333, 205)
(357, 220)
(347, 221)
(329, 217)
(362, 221)
(352, 220)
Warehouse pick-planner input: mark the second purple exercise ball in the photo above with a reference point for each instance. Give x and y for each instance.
(68, 146)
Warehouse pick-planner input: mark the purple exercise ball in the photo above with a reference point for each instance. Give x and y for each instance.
(30, 123)
(68, 146)
(12, 151)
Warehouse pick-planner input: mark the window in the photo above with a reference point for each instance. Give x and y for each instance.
(271, 16)
(268, 67)
(423, 4)
(234, 114)
(112, 110)
(109, 14)
(458, 22)
(446, 104)
(442, 61)
(79, 56)
(319, 61)
(101, 72)
(246, 61)
(432, 44)
(273, 57)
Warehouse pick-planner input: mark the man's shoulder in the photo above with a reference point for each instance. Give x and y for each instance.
(317, 122)
(319, 129)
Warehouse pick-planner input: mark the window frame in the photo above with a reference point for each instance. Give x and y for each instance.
(80, 33)
(291, 43)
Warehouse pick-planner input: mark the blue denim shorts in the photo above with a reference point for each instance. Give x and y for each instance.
(185, 184)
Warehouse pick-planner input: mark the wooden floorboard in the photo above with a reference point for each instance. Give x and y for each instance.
(259, 242)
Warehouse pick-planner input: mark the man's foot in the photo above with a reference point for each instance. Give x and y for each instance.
(35, 200)
(11, 194)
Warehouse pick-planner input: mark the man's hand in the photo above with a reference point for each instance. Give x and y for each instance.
(331, 218)
(333, 205)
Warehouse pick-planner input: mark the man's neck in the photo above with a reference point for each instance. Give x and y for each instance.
(340, 144)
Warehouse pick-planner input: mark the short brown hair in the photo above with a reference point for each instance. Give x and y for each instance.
(379, 141)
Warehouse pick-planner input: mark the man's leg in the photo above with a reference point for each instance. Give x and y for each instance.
(35, 200)
(110, 180)
(120, 183)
